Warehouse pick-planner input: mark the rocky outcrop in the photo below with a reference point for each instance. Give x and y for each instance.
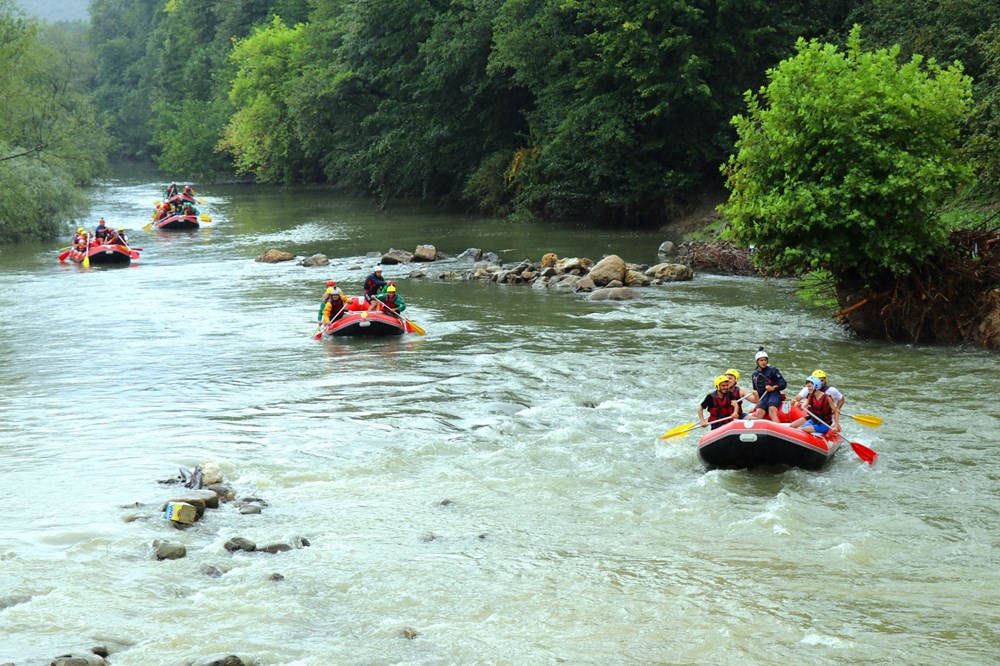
(578, 274)
(315, 260)
(274, 257)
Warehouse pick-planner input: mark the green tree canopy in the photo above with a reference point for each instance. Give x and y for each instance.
(844, 159)
(50, 140)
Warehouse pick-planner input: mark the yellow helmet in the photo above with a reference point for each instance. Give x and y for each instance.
(391, 289)
(721, 379)
(329, 290)
(734, 373)
(819, 373)
(80, 230)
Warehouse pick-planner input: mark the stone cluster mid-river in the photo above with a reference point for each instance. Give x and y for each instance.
(493, 492)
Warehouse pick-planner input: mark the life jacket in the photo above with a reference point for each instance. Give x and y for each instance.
(769, 375)
(390, 300)
(372, 284)
(819, 405)
(721, 406)
(333, 306)
(736, 391)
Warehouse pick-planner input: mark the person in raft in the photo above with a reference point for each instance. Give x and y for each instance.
(767, 385)
(373, 283)
(81, 239)
(101, 231)
(721, 405)
(823, 410)
(838, 397)
(390, 300)
(738, 394)
(333, 303)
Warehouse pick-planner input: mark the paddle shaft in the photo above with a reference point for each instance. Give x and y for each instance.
(400, 315)
(866, 454)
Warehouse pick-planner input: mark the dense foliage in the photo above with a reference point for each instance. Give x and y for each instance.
(844, 160)
(50, 140)
(613, 110)
(616, 110)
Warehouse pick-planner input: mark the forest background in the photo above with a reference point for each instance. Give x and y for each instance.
(564, 109)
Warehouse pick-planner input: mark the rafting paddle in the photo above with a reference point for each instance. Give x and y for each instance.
(862, 451)
(682, 430)
(86, 255)
(866, 420)
(409, 322)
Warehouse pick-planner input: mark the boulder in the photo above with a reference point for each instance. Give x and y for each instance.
(571, 264)
(239, 543)
(608, 269)
(635, 278)
(274, 257)
(666, 248)
(78, 660)
(226, 660)
(614, 294)
(666, 272)
(394, 256)
(549, 260)
(424, 253)
(473, 254)
(315, 260)
(168, 550)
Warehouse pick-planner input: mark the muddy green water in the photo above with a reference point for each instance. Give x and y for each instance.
(496, 486)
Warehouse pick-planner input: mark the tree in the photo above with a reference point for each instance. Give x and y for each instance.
(50, 140)
(948, 30)
(844, 160)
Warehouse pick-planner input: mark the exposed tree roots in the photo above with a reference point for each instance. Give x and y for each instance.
(952, 298)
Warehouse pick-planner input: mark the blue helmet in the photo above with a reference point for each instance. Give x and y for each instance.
(815, 381)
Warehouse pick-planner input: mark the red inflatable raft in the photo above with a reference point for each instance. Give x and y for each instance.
(357, 321)
(103, 255)
(764, 443)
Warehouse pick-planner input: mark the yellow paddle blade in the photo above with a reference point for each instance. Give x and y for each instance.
(867, 420)
(679, 431)
(86, 261)
(148, 226)
(205, 218)
(416, 327)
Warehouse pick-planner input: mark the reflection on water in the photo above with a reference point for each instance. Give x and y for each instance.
(497, 485)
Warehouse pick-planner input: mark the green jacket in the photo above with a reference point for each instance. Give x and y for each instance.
(400, 303)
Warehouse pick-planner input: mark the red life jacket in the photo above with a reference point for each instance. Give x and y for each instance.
(819, 405)
(721, 407)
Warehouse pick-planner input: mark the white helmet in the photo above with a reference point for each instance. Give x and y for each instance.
(759, 355)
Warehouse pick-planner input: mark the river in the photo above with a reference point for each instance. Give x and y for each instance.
(493, 492)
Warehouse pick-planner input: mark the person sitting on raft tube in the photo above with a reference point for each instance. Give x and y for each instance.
(101, 232)
(117, 237)
(721, 404)
(838, 397)
(373, 283)
(333, 303)
(767, 385)
(738, 394)
(823, 410)
(391, 301)
(80, 239)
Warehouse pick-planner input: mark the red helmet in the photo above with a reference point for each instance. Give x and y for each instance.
(331, 283)
(187, 188)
